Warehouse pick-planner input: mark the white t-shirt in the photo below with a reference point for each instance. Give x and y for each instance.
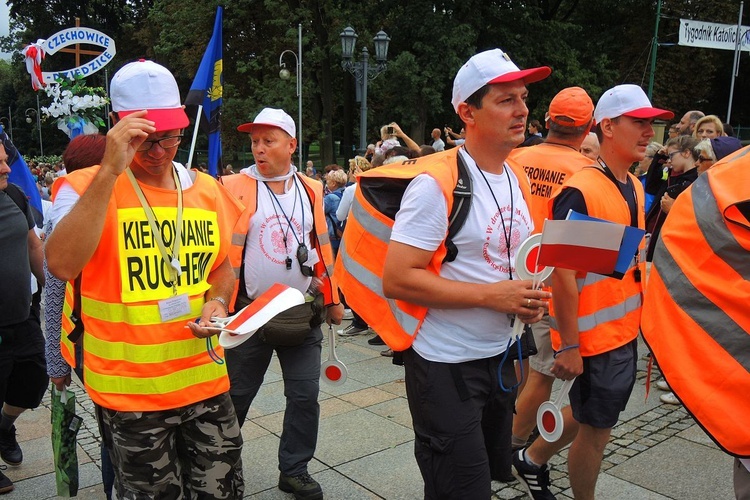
(266, 252)
(439, 145)
(458, 335)
(67, 197)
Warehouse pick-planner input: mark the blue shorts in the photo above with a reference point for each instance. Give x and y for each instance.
(602, 391)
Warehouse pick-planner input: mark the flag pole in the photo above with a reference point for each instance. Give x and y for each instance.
(736, 64)
(195, 136)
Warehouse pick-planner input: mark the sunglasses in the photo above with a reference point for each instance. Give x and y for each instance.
(302, 256)
(702, 159)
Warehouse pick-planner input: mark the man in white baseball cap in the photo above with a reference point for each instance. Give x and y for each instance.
(287, 242)
(146, 85)
(164, 401)
(594, 320)
(461, 416)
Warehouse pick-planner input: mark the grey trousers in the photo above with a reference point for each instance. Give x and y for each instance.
(300, 366)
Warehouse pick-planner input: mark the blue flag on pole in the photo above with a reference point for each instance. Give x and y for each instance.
(208, 89)
(20, 175)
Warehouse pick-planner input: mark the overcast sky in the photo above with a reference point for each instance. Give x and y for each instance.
(4, 9)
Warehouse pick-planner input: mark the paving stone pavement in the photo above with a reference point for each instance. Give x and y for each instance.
(365, 443)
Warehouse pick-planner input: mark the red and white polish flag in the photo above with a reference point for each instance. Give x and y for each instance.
(581, 245)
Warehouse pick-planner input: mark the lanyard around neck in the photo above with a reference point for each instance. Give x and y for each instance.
(290, 227)
(506, 233)
(174, 263)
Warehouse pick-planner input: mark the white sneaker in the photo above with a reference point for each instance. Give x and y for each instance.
(669, 398)
(353, 330)
(348, 314)
(662, 385)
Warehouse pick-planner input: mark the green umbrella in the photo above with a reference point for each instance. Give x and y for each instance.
(65, 425)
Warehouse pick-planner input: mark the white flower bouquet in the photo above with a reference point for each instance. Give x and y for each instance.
(76, 107)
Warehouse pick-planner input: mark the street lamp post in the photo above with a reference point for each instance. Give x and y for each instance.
(35, 112)
(10, 123)
(284, 75)
(363, 72)
(7, 125)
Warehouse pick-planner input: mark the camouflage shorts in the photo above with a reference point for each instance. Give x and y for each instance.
(186, 453)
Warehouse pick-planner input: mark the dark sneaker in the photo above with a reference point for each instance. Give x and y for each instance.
(353, 330)
(376, 340)
(535, 480)
(10, 452)
(303, 486)
(6, 485)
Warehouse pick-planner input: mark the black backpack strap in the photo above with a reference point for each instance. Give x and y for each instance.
(460, 209)
(18, 197)
(75, 317)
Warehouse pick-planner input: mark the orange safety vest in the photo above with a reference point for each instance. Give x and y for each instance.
(245, 189)
(133, 361)
(359, 265)
(608, 309)
(547, 166)
(695, 318)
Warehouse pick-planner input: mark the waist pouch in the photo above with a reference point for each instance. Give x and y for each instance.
(291, 327)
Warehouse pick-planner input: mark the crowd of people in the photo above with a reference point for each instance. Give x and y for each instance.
(142, 255)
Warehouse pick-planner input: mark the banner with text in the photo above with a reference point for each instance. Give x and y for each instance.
(712, 35)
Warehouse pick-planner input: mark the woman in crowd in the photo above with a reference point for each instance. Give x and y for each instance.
(535, 134)
(641, 170)
(708, 127)
(335, 182)
(680, 158)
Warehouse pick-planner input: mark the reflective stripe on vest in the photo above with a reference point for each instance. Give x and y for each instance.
(371, 224)
(590, 279)
(709, 316)
(181, 380)
(408, 323)
(606, 315)
(137, 315)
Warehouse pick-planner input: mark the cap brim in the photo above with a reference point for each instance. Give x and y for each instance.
(247, 128)
(650, 113)
(165, 119)
(530, 75)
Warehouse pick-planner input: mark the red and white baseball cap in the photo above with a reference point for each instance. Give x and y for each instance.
(146, 85)
(273, 118)
(491, 66)
(628, 100)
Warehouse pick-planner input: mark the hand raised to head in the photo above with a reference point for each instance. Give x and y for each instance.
(124, 139)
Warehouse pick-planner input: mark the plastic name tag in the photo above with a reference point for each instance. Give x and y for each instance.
(174, 307)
